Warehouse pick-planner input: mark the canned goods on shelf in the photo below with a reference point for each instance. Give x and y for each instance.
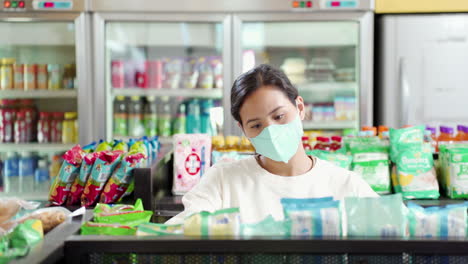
(18, 72)
(30, 76)
(6, 73)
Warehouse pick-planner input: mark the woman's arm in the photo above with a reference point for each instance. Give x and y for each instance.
(205, 196)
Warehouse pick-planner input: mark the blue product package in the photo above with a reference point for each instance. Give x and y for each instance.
(317, 219)
(303, 202)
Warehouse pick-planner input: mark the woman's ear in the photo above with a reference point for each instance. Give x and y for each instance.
(300, 106)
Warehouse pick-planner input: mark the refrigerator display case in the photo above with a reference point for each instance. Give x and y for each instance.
(145, 49)
(44, 91)
(324, 49)
(162, 74)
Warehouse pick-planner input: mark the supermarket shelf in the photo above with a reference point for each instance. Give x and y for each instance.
(14, 94)
(309, 125)
(197, 92)
(328, 86)
(162, 140)
(35, 147)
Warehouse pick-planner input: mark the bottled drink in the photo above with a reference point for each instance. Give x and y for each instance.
(206, 78)
(26, 169)
(372, 130)
(193, 117)
(164, 118)
(56, 127)
(383, 132)
(120, 116)
(70, 128)
(20, 128)
(305, 143)
(323, 143)
(246, 145)
(7, 118)
(11, 173)
(43, 128)
(336, 143)
(151, 117)
(218, 143)
(461, 133)
(180, 121)
(445, 136)
(135, 117)
(31, 119)
(41, 177)
(205, 119)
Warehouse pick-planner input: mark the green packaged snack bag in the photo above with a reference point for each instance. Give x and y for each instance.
(120, 145)
(455, 172)
(404, 138)
(104, 146)
(117, 208)
(267, 227)
(27, 234)
(383, 216)
(415, 173)
(339, 159)
(371, 162)
(224, 223)
(90, 228)
(151, 229)
(131, 218)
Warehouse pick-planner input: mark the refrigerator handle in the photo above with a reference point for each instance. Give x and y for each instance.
(404, 93)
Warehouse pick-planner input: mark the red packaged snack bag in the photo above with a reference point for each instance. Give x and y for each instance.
(102, 169)
(60, 188)
(121, 178)
(80, 181)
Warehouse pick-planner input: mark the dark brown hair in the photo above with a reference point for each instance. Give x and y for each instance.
(249, 82)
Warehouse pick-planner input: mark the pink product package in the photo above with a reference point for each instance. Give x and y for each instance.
(192, 157)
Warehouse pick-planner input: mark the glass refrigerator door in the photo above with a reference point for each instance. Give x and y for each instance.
(320, 58)
(164, 78)
(38, 102)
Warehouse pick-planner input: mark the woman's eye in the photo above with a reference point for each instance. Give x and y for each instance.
(279, 117)
(257, 126)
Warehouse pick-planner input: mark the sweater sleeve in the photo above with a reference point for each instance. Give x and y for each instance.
(205, 196)
(358, 187)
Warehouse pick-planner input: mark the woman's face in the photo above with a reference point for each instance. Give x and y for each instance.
(268, 106)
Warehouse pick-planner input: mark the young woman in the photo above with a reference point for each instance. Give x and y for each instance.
(269, 111)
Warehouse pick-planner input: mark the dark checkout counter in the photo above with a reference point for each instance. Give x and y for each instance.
(65, 245)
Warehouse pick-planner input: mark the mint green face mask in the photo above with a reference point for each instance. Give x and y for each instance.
(279, 142)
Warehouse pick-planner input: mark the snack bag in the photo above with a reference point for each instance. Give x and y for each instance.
(9, 207)
(103, 146)
(121, 178)
(455, 171)
(267, 227)
(339, 159)
(90, 147)
(27, 234)
(80, 181)
(224, 222)
(314, 219)
(120, 145)
(415, 173)
(191, 159)
(404, 138)
(450, 221)
(371, 162)
(60, 188)
(102, 169)
(50, 217)
(90, 228)
(131, 218)
(383, 216)
(118, 208)
(151, 229)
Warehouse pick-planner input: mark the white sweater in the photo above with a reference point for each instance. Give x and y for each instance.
(257, 192)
